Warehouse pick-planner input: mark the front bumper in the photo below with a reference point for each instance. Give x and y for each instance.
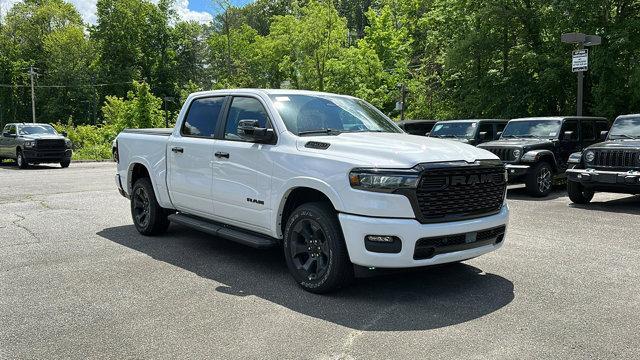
(515, 172)
(410, 231)
(596, 178)
(44, 156)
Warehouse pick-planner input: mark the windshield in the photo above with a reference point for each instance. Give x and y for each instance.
(532, 128)
(625, 128)
(330, 115)
(36, 129)
(465, 130)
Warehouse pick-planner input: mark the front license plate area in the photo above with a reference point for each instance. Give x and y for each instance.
(607, 178)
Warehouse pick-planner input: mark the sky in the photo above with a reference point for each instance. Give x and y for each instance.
(197, 10)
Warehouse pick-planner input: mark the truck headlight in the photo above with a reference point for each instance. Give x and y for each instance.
(29, 143)
(589, 156)
(387, 181)
(516, 154)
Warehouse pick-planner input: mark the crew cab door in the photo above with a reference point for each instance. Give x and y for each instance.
(243, 169)
(568, 145)
(190, 157)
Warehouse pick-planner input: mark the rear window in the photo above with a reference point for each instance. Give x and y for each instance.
(202, 117)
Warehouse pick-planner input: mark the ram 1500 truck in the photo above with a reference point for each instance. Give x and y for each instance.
(328, 177)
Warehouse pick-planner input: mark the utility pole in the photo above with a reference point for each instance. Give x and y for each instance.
(33, 96)
(403, 98)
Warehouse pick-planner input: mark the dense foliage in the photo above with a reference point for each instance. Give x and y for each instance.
(458, 58)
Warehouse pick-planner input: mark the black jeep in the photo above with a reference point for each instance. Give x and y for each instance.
(472, 132)
(609, 166)
(536, 150)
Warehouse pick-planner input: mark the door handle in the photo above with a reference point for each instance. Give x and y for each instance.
(177, 150)
(221, 155)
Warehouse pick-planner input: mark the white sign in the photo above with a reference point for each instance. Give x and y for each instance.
(580, 60)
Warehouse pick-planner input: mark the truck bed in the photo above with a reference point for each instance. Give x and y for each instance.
(147, 147)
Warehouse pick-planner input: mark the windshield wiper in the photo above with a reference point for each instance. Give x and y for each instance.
(626, 136)
(328, 131)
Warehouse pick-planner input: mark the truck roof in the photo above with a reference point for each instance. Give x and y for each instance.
(473, 120)
(27, 123)
(268, 92)
(560, 118)
(628, 116)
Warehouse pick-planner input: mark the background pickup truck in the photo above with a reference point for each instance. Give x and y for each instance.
(327, 177)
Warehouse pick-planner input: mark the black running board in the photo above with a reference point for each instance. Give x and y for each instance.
(254, 240)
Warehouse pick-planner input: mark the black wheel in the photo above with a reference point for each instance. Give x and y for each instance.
(315, 250)
(540, 180)
(65, 163)
(21, 161)
(578, 193)
(148, 217)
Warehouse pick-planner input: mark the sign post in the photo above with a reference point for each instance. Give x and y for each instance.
(580, 60)
(580, 64)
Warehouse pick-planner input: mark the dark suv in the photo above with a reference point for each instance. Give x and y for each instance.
(417, 127)
(609, 166)
(34, 144)
(472, 132)
(536, 150)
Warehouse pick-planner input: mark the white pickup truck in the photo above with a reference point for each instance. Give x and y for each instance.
(328, 177)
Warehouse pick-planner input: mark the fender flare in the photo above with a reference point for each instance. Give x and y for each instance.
(303, 182)
(534, 156)
(137, 160)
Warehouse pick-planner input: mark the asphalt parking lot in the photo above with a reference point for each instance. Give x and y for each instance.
(77, 281)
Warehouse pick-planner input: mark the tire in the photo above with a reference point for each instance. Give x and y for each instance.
(21, 161)
(148, 217)
(65, 163)
(578, 194)
(539, 181)
(315, 250)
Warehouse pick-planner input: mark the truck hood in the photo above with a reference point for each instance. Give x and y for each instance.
(512, 143)
(391, 149)
(42, 136)
(617, 144)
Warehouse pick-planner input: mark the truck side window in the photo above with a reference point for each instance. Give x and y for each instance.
(586, 126)
(601, 126)
(12, 129)
(571, 125)
(488, 128)
(202, 117)
(244, 108)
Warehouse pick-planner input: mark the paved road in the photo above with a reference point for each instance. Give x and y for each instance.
(77, 281)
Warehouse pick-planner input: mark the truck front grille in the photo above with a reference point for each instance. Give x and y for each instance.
(505, 154)
(456, 193)
(617, 159)
(50, 144)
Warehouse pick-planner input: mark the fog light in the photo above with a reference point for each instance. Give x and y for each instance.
(381, 238)
(383, 244)
(579, 176)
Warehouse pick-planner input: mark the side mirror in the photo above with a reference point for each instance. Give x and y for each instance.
(568, 136)
(498, 134)
(603, 135)
(250, 130)
(483, 135)
(427, 134)
(64, 133)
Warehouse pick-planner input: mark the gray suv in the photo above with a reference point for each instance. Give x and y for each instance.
(28, 143)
